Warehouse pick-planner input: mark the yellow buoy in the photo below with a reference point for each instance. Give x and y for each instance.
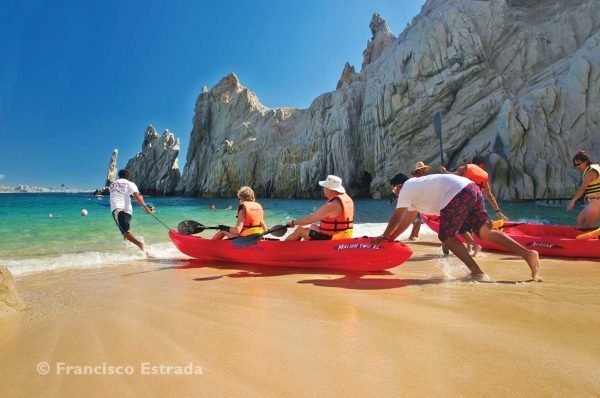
(497, 224)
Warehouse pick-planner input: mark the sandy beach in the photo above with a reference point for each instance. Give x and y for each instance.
(414, 330)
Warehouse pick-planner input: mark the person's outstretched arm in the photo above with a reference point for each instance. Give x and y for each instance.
(329, 209)
(492, 199)
(459, 172)
(588, 177)
(140, 200)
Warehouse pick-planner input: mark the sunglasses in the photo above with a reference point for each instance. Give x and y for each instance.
(576, 164)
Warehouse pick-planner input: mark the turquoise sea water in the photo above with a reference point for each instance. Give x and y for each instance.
(46, 231)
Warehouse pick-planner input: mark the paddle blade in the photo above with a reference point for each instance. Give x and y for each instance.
(190, 227)
(277, 230)
(247, 240)
(437, 124)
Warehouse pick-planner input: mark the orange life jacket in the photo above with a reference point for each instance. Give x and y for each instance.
(476, 174)
(340, 227)
(254, 217)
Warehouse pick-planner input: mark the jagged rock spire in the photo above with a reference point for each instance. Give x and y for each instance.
(381, 39)
(155, 169)
(111, 174)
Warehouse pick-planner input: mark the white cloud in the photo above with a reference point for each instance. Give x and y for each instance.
(2, 176)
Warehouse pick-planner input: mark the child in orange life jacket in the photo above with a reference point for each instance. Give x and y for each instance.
(474, 171)
(250, 217)
(336, 216)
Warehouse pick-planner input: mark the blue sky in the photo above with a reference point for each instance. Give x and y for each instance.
(78, 78)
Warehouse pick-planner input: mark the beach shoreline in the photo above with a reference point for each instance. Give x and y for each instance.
(413, 330)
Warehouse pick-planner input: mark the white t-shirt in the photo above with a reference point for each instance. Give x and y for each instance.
(430, 194)
(120, 195)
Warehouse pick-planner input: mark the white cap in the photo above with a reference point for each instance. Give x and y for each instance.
(334, 183)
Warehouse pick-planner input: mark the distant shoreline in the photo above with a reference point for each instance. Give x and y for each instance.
(48, 191)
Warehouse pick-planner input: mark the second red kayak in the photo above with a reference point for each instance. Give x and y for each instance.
(357, 254)
(548, 240)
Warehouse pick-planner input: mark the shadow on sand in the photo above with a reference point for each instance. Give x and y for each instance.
(357, 283)
(349, 279)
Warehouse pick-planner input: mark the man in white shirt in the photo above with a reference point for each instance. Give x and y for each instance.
(121, 208)
(459, 203)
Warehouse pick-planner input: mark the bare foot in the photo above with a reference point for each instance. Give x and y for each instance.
(533, 260)
(413, 238)
(145, 251)
(480, 276)
(445, 250)
(476, 250)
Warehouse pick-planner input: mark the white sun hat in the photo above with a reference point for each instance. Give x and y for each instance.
(334, 183)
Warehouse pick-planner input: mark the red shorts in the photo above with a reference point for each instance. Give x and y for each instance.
(464, 213)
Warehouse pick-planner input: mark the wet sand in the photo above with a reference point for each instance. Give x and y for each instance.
(414, 330)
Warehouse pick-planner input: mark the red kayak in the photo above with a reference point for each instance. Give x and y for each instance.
(357, 254)
(548, 240)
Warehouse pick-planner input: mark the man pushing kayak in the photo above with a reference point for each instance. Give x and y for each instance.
(459, 203)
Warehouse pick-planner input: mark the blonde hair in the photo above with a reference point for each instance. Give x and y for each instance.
(246, 194)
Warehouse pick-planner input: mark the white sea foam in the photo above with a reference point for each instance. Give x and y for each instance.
(92, 259)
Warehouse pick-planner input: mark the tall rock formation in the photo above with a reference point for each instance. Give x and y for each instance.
(381, 39)
(155, 169)
(111, 174)
(517, 81)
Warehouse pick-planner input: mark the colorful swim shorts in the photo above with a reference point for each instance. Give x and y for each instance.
(465, 212)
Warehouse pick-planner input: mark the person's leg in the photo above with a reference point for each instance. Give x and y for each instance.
(588, 217)
(457, 247)
(131, 237)
(416, 227)
(471, 244)
(218, 236)
(500, 238)
(123, 221)
(452, 220)
(594, 213)
(582, 218)
(414, 233)
(299, 234)
(469, 240)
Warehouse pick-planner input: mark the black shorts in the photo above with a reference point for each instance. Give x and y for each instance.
(123, 220)
(314, 235)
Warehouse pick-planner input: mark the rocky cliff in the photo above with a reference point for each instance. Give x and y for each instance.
(155, 169)
(516, 80)
(10, 301)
